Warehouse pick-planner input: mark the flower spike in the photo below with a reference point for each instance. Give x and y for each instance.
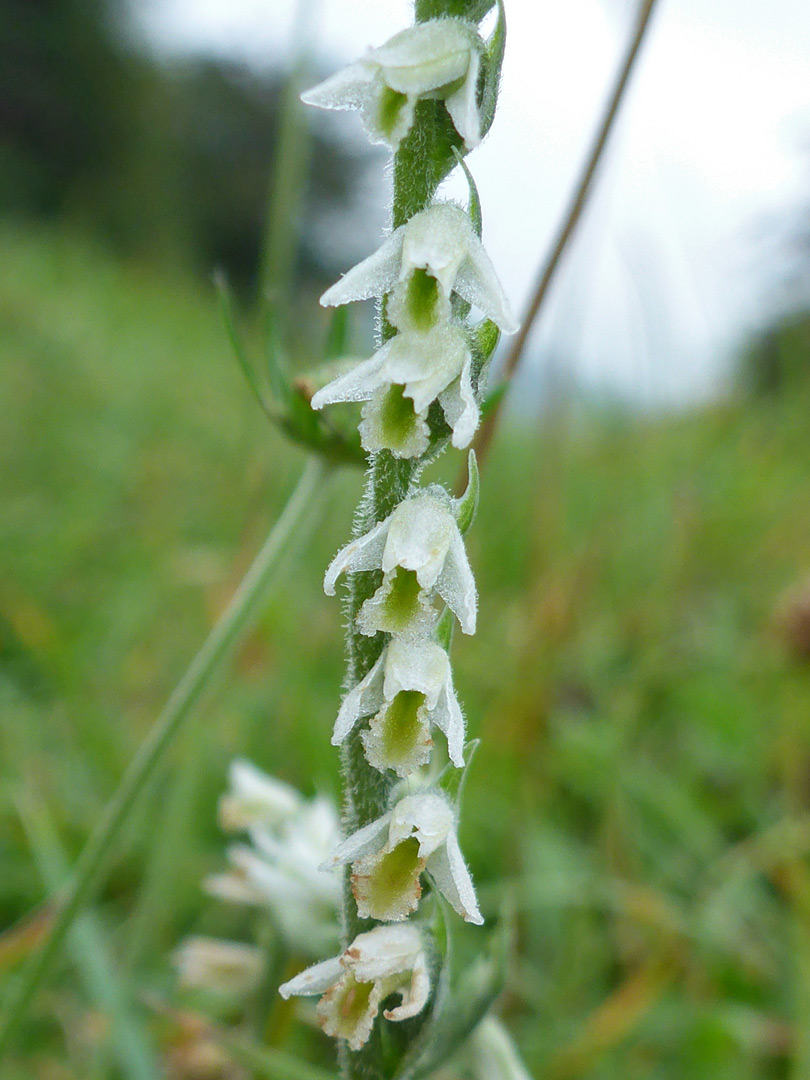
(437, 59)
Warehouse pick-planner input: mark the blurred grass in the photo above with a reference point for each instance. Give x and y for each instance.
(643, 785)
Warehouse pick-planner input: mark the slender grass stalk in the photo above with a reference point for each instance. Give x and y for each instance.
(229, 629)
(87, 945)
(569, 221)
(291, 160)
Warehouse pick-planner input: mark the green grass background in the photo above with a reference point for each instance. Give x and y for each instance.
(643, 788)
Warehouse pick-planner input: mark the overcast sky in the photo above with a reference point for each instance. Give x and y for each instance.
(676, 258)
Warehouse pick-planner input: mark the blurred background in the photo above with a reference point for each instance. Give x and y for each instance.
(641, 676)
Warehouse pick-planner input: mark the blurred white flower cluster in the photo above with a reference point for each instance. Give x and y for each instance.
(277, 868)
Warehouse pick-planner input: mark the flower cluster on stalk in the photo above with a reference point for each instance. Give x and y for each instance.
(419, 389)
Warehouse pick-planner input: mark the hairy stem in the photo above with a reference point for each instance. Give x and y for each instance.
(89, 871)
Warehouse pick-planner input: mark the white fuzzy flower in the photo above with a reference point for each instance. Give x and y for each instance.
(421, 263)
(422, 368)
(389, 855)
(491, 1054)
(386, 960)
(226, 966)
(436, 59)
(408, 689)
(419, 548)
(279, 868)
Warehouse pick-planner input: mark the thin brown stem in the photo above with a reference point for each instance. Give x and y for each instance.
(570, 219)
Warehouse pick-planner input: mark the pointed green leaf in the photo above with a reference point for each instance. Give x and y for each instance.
(466, 506)
(445, 628)
(452, 780)
(474, 209)
(492, 60)
(337, 340)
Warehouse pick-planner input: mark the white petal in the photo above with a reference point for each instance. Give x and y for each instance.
(416, 665)
(477, 283)
(383, 951)
(293, 864)
(449, 718)
(419, 537)
(415, 996)
(374, 276)
(449, 871)
(456, 585)
(461, 409)
(366, 841)
(356, 385)
(255, 797)
(463, 105)
(427, 817)
(438, 240)
(363, 700)
(277, 886)
(346, 89)
(314, 980)
(364, 553)
(425, 57)
(425, 364)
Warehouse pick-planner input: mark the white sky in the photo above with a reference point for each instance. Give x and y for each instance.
(668, 269)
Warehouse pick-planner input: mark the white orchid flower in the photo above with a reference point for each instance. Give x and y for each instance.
(279, 868)
(212, 964)
(419, 548)
(389, 856)
(408, 689)
(491, 1055)
(421, 263)
(386, 960)
(420, 368)
(435, 59)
